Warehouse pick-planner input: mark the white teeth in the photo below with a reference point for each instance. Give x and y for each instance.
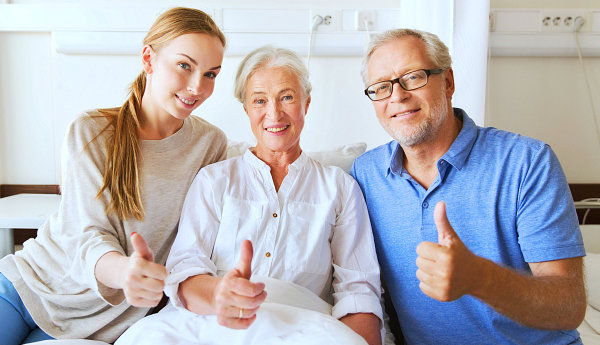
(276, 129)
(188, 102)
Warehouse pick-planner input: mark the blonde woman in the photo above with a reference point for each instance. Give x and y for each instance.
(97, 265)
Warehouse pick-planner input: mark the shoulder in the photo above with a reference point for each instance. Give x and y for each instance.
(205, 128)
(509, 145)
(372, 161)
(86, 129)
(222, 169)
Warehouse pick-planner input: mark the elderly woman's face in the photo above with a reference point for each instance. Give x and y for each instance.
(276, 105)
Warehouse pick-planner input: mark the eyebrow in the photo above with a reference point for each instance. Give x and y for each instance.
(195, 63)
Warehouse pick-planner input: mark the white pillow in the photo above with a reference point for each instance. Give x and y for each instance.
(592, 277)
(342, 156)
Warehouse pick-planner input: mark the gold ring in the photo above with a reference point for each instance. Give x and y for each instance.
(241, 314)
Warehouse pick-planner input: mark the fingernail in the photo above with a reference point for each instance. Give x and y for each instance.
(133, 233)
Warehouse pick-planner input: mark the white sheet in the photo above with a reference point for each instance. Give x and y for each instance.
(291, 315)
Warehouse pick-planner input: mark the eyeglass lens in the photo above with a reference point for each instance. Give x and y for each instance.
(409, 81)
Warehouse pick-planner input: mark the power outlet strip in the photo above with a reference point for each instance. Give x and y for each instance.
(561, 20)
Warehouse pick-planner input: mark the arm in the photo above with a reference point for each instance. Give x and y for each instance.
(233, 298)
(356, 283)
(366, 325)
(553, 297)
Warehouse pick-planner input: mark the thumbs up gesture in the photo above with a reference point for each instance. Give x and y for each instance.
(236, 298)
(143, 279)
(446, 270)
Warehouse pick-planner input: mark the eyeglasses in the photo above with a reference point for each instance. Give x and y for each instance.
(408, 81)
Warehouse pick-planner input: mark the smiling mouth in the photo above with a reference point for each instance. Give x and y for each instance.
(276, 129)
(186, 101)
(406, 113)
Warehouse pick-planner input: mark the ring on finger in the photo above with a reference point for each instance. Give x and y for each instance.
(241, 313)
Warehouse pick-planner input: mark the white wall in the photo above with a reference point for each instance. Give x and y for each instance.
(546, 98)
(45, 84)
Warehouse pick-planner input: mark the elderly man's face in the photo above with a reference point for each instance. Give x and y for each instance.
(276, 105)
(410, 117)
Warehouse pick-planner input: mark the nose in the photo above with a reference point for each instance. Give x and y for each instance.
(273, 110)
(195, 85)
(398, 93)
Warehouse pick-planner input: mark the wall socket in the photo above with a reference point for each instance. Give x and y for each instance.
(560, 20)
(365, 20)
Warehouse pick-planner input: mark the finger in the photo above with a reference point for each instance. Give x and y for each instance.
(236, 323)
(143, 268)
(242, 313)
(143, 302)
(246, 288)
(446, 233)
(244, 265)
(426, 265)
(140, 246)
(429, 250)
(145, 283)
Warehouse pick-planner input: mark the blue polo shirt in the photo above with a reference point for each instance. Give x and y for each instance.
(508, 200)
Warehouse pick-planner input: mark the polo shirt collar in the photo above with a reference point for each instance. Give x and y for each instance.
(457, 153)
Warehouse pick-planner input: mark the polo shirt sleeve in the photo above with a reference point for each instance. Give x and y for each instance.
(547, 223)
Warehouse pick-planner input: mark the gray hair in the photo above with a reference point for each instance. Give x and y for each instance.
(436, 49)
(269, 56)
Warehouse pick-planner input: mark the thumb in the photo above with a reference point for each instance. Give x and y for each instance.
(140, 247)
(446, 233)
(244, 265)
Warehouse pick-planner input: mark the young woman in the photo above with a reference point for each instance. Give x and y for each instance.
(97, 265)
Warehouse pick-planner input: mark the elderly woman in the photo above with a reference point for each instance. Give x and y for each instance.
(308, 224)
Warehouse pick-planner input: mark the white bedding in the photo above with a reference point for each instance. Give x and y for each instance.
(291, 315)
(590, 328)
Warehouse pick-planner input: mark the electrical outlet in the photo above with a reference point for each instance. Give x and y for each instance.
(365, 20)
(330, 20)
(560, 20)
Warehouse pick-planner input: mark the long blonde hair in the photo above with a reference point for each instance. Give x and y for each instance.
(121, 173)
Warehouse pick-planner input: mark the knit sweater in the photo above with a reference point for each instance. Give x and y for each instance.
(54, 273)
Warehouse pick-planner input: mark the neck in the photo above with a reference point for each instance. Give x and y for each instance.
(420, 160)
(156, 125)
(278, 161)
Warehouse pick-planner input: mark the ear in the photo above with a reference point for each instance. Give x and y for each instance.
(147, 57)
(449, 80)
(306, 107)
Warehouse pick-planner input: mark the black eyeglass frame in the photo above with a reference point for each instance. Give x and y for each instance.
(428, 72)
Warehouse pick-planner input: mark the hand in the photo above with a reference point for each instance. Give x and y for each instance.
(447, 270)
(235, 293)
(143, 279)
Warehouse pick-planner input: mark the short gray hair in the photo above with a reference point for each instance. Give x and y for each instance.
(269, 56)
(436, 49)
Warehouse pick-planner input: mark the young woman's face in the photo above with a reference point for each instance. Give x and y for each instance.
(181, 74)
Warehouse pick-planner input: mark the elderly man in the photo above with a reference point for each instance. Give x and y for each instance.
(475, 228)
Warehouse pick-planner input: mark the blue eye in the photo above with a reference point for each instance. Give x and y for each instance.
(287, 98)
(184, 65)
(260, 101)
(211, 75)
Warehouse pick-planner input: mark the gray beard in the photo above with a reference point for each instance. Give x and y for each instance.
(425, 130)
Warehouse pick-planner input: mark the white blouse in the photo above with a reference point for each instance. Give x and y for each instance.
(314, 232)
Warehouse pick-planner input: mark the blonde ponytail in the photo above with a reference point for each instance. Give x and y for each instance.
(121, 172)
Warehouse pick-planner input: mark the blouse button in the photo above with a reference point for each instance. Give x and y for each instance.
(274, 215)
(268, 254)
